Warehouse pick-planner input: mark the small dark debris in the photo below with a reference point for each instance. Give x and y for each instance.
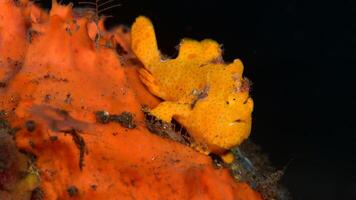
(80, 143)
(30, 125)
(51, 77)
(102, 117)
(37, 194)
(31, 33)
(5, 126)
(29, 155)
(253, 167)
(71, 30)
(72, 191)
(217, 161)
(199, 94)
(32, 144)
(47, 76)
(68, 99)
(120, 50)
(125, 119)
(68, 31)
(94, 187)
(173, 130)
(16, 66)
(53, 138)
(125, 29)
(2, 84)
(47, 98)
(269, 187)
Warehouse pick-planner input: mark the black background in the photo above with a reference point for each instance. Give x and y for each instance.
(300, 55)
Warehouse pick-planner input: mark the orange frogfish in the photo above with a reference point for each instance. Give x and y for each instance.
(205, 95)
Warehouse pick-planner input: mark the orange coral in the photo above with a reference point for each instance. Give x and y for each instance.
(59, 78)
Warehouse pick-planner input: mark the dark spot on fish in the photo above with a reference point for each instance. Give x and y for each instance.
(246, 100)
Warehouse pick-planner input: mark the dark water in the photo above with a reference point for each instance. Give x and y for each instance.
(301, 57)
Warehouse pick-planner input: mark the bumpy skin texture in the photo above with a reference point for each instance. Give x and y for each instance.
(208, 97)
(64, 76)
